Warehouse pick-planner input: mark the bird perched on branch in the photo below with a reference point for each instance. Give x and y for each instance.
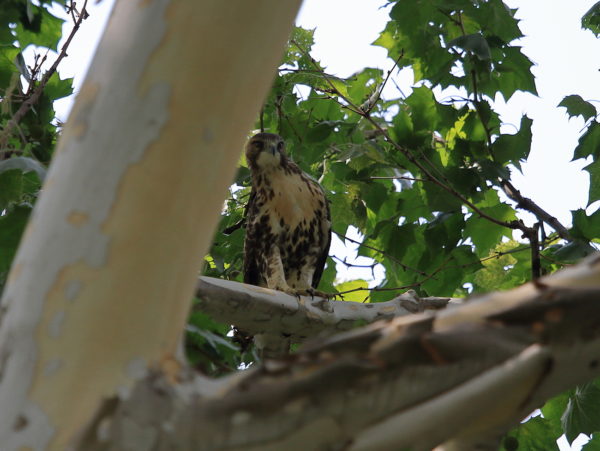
(288, 224)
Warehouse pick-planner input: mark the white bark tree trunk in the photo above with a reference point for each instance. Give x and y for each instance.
(100, 288)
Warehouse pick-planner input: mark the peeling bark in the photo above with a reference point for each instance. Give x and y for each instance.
(260, 310)
(452, 379)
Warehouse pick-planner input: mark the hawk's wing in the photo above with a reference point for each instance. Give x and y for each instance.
(251, 248)
(325, 250)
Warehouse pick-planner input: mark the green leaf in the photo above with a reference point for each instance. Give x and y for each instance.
(305, 39)
(582, 414)
(443, 233)
(451, 271)
(12, 225)
(554, 409)
(356, 296)
(25, 164)
(589, 143)
(22, 66)
(535, 434)
(11, 187)
(496, 20)
(485, 234)
(45, 31)
(319, 132)
(438, 199)
(422, 108)
(584, 226)
(475, 43)
(576, 106)
(374, 195)
(8, 67)
(506, 270)
(591, 19)
(396, 240)
(572, 252)
(593, 444)
(514, 148)
(512, 73)
(57, 88)
(594, 170)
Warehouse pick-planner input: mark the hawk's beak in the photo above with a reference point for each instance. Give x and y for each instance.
(273, 149)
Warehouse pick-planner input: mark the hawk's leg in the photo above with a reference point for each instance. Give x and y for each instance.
(304, 286)
(275, 274)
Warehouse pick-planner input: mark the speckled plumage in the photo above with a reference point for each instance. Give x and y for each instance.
(288, 224)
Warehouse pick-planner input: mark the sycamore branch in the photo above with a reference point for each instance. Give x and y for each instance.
(259, 310)
(454, 379)
(526, 203)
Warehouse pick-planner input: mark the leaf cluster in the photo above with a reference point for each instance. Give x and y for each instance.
(423, 177)
(572, 413)
(418, 177)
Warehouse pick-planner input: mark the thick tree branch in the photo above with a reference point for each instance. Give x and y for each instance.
(259, 310)
(414, 382)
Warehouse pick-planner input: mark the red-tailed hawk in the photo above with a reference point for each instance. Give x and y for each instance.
(288, 225)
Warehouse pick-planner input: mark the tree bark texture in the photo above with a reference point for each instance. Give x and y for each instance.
(100, 288)
(451, 380)
(258, 310)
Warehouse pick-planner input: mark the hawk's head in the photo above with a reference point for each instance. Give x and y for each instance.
(264, 151)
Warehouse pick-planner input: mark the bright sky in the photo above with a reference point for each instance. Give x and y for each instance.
(566, 63)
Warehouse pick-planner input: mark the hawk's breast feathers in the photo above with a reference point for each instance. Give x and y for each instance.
(288, 227)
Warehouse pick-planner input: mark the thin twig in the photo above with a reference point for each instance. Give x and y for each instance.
(515, 225)
(523, 202)
(398, 177)
(536, 264)
(378, 289)
(33, 99)
(371, 103)
(354, 265)
(379, 251)
(527, 204)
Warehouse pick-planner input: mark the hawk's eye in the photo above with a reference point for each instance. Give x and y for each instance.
(259, 145)
(280, 146)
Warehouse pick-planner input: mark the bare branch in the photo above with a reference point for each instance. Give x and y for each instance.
(259, 310)
(527, 204)
(372, 101)
(521, 346)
